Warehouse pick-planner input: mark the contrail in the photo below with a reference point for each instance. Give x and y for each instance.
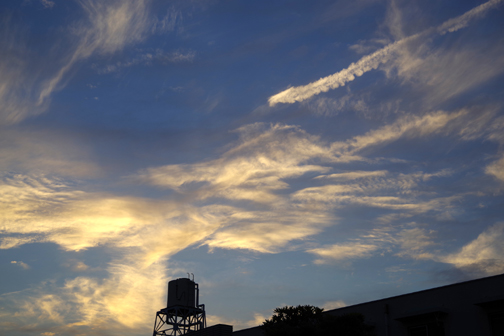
(370, 62)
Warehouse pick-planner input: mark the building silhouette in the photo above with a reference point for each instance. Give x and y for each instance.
(473, 307)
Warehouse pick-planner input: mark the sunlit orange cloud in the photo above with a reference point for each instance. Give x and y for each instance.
(124, 300)
(36, 208)
(46, 210)
(267, 232)
(252, 170)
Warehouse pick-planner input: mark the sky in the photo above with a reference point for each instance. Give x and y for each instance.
(284, 152)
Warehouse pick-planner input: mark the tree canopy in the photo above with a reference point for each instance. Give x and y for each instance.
(309, 320)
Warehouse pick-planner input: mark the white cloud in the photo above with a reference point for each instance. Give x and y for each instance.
(365, 64)
(373, 61)
(462, 21)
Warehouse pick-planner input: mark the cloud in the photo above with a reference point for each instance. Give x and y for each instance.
(462, 21)
(329, 305)
(478, 258)
(410, 241)
(18, 78)
(85, 305)
(482, 256)
(273, 188)
(258, 319)
(365, 64)
(110, 26)
(413, 243)
(373, 61)
(409, 126)
(354, 175)
(253, 170)
(496, 169)
(267, 232)
(45, 152)
(40, 209)
(326, 106)
(388, 191)
(159, 56)
(21, 264)
(27, 81)
(447, 71)
(344, 251)
(47, 3)
(77, 266)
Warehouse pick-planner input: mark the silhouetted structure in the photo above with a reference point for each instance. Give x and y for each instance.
(183, 313)
(473, 307)
(215, 330)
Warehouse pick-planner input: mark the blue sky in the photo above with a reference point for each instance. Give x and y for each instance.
(285, 152)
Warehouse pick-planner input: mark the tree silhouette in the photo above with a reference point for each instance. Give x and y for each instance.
(309, 320)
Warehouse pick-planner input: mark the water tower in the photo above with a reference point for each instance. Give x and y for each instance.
(183, 312)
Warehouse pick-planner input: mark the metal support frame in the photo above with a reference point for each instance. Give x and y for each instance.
(179, 320)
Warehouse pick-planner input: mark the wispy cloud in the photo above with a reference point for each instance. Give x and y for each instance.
(343, 252)
(365, 64)
(47, 210)
(107, 28)
(253, 170)
(159, 57)
(85, 304)
(21, 264)
(373, 61)
(483, 256)
(334, 305)
(480, 257)
(275, 187)
(496, 169)
(462, 21)
(45, 152)
(47, 3)
(409, 126)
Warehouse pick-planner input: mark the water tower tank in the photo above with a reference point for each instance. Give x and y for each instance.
(182, 292)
